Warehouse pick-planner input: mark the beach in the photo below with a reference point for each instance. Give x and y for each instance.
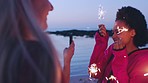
(82, 79)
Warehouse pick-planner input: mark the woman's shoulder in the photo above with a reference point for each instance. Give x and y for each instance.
(139, 55)
(32, 44)
(138, 63)
(35, 48)
(143, 51)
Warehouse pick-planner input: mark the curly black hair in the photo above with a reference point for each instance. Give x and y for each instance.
(135, 20)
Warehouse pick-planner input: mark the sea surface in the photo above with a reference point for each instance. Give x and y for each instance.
(83, 50)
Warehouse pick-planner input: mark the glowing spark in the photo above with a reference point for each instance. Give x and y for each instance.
(112, 78)
(146, 74)
(120, 30)
(101, 12)
(93, 70)
(106, 78)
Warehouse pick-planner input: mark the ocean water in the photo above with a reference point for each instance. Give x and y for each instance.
(83, 50)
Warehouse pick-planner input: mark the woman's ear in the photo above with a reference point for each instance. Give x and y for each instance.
(133, 33)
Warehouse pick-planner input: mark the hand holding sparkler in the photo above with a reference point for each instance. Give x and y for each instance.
(102, 30)
(70, 38)
(68, 54)
(101, 13)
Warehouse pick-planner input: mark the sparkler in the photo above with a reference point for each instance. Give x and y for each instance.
(120, 30)
(112, 78)
(93, 70)
(146, 74)
(101, 12)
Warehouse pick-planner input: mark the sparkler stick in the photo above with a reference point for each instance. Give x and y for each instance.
(70, 38)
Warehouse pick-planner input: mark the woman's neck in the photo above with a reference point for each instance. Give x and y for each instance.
(131, 48)
(29, 36)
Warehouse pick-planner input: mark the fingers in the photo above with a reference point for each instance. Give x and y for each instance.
(118, 45)
(72, 45)
(69, 52)
(70, 49)
(102, 30)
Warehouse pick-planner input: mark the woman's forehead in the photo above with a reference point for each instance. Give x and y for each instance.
(42, 3)
(120, 24)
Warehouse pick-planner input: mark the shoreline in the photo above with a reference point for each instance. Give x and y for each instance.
(82, 79)
(75, 32)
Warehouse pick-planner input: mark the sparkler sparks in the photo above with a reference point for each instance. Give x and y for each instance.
(112, 78)
(93, 70)
(120, 30)
(101, 12)
(146, 74)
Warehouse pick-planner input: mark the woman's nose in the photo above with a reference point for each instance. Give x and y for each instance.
(114, 35)
(50, 6)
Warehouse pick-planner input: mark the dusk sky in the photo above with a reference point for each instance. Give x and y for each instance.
(83, 14)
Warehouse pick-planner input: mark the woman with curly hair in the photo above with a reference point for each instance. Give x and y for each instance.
(123, 61)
